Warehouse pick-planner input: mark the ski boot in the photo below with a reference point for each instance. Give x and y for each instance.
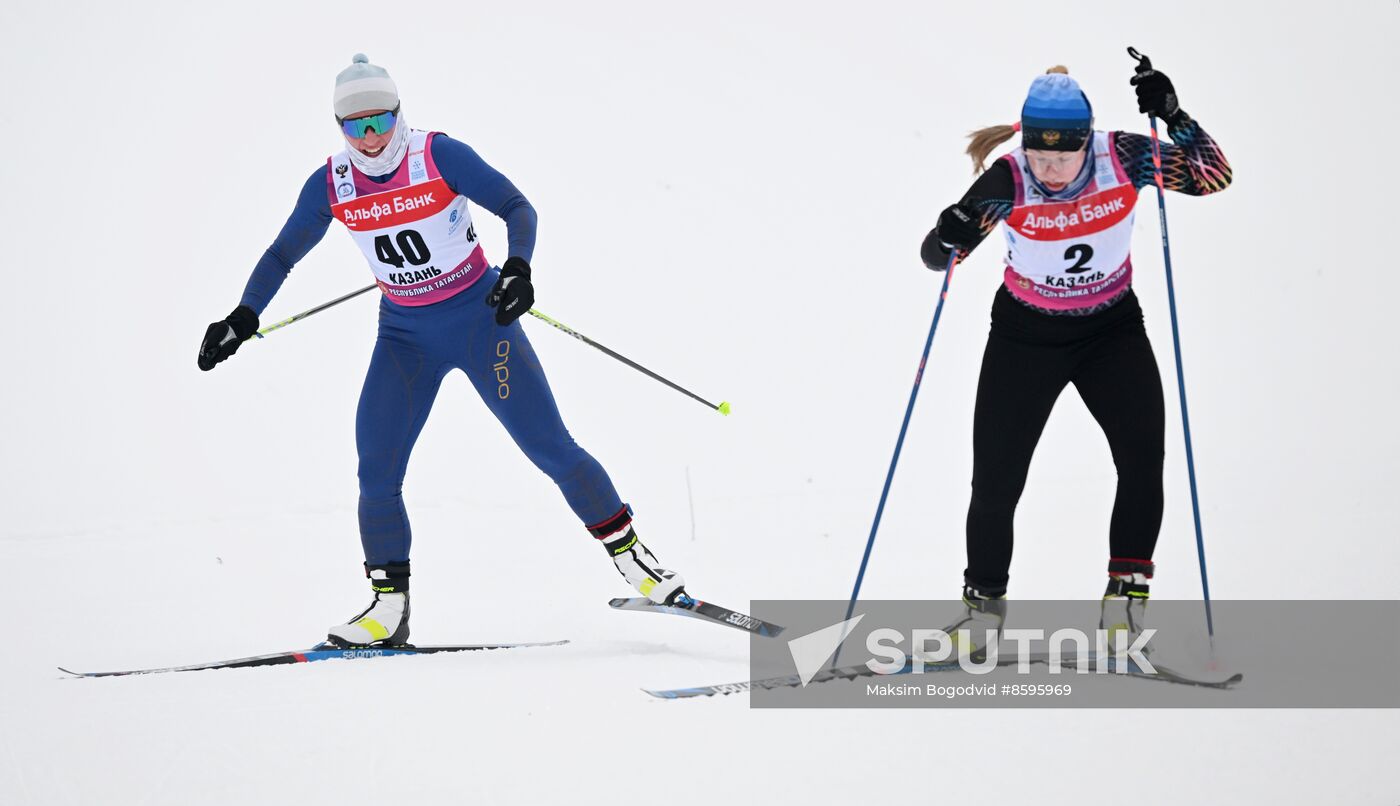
(1125, 603)
(636, 564)
(986, 610)
(385, 621)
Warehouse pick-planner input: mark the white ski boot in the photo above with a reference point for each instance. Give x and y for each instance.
(1125, 603)
(982, 622)
(385, 621)
(636, 564)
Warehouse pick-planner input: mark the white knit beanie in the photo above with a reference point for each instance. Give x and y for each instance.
(363, 86)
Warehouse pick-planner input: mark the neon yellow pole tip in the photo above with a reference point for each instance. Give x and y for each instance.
(723, 408)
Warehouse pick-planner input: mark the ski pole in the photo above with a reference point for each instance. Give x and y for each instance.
(721, 407)
(899, 443)
(1145, 65)
(262, 333)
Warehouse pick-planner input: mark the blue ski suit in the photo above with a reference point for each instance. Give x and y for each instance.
(418, 346)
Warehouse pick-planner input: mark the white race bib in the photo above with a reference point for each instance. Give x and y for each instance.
(416, 233)
(1076, 253)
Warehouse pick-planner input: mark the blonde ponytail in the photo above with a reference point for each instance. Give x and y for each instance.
(985, 141)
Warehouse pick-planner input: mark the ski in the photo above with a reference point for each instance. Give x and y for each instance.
(1162, 675)
(1165, 675)
(694, 608)
(793, 681)
(322, 651)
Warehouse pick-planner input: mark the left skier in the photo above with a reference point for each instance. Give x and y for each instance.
(402, 193)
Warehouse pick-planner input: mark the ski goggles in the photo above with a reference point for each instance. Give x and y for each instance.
(381, 123)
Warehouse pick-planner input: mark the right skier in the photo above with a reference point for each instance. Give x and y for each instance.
(1066, 313)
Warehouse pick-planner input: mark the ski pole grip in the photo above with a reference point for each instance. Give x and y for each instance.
(1144, 63)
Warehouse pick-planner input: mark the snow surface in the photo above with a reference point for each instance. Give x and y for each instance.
(733, 194)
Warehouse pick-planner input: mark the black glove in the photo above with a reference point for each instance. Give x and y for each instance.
(1156, 96)
(512, 295)
(223, 338)
(959, 228)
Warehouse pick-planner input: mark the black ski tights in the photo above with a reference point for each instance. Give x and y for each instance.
(1030, 358)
